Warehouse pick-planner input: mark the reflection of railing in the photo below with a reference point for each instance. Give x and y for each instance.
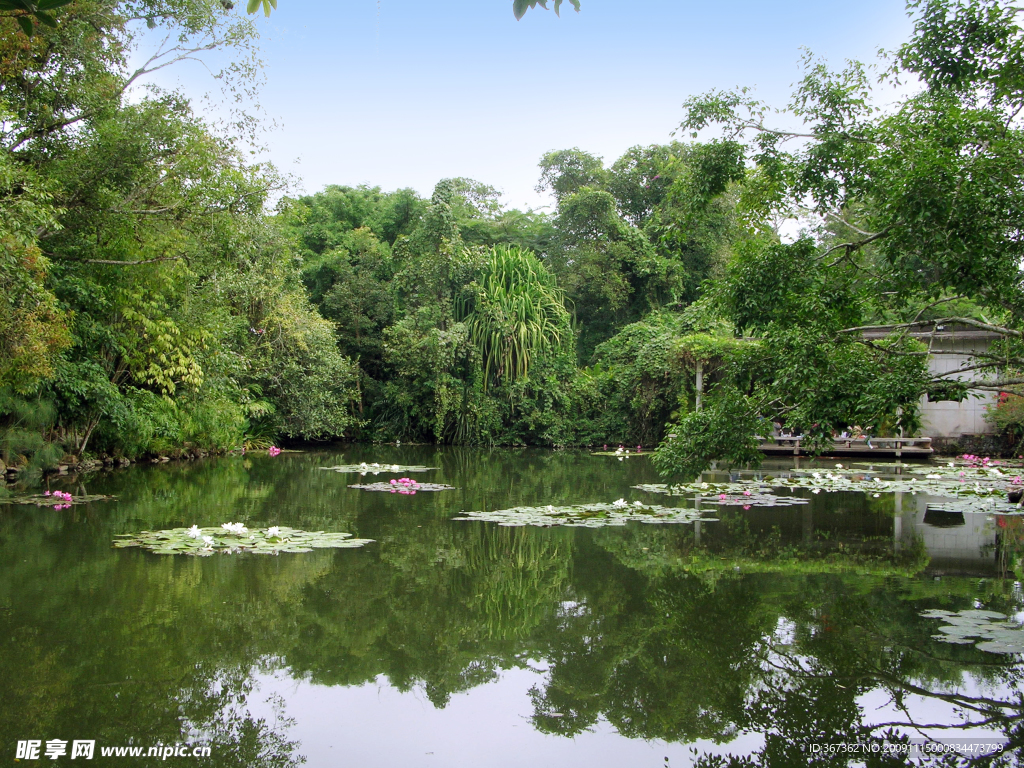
(874, 446)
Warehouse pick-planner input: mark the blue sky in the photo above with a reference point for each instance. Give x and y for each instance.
(402, 93)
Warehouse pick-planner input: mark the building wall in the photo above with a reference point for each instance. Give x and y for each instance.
(951, 352)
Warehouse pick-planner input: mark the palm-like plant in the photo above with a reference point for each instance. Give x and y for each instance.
(515, 312)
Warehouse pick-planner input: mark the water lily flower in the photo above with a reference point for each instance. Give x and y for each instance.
(933, 477)
(619, 503)
(638, 503)
(273, 531)
(816, 490)
(746, 493)
(816, 475)
(208, 541)
(47, 493)
(721, 496)
(620, 458)
(194, 532)
(839, 466)
(551, 508)
(274, 450)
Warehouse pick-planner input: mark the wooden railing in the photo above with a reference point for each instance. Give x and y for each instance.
(897, 445)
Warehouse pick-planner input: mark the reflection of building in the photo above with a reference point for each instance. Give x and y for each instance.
(955, 542)
(953, 348)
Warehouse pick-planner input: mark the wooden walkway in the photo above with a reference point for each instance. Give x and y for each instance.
(883, 447)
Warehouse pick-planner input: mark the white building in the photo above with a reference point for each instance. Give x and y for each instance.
(952, 348)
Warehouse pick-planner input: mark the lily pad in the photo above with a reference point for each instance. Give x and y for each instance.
(954, 639)
(982, 614)
(1000, 646)
(937, 613)
(597, 515)
(398, 489)
(234, 539)
(376, 468)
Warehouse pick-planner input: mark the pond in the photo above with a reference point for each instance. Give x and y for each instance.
(842, 617)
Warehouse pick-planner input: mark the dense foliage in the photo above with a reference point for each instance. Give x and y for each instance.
(151, 302)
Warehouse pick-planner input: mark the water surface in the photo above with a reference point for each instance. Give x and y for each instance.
(462, 643)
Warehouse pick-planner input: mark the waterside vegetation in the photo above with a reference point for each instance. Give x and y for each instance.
(155, 301)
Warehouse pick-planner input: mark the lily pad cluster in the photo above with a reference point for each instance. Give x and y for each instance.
(620, 453)
(390, 488)
(63, 500)
(986, 630)
(233, 538)
(376, 469)
(596, 515)
(746, 495)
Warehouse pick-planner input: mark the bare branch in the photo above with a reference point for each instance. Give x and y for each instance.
(942, 321)
(978, 367)
(117, 262)
(935, 304)
(855, 246)
(994, 386)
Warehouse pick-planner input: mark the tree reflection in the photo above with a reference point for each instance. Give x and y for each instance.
(798, 633)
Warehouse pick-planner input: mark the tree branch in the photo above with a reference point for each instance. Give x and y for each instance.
(945, 320)
(117, 262)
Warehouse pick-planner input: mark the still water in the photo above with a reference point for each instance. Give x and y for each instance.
(463, 643)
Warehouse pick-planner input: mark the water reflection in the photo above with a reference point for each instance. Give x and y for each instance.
(778, 628)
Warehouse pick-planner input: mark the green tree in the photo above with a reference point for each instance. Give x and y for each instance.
(909, 209)
(515, 313)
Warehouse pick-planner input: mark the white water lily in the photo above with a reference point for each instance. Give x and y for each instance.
(619, 503)
(638, 503)
(620, 458)
(933, 477)
(816, 475)
(551, 507)
(879, 480)
(816, 490)
(208, 541)
(839, 466)
(238, 528)
(194, 532)
(273, 531)
(875, 495)
(951, 465)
